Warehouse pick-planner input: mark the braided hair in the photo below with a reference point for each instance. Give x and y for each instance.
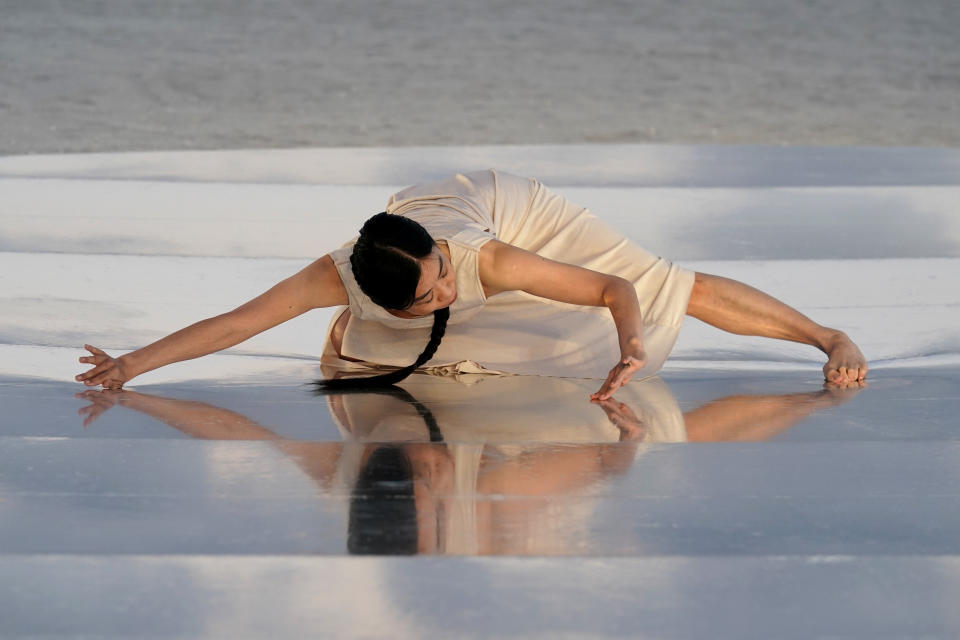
(385, 264)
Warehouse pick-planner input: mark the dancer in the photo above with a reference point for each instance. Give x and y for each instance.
(494, 273)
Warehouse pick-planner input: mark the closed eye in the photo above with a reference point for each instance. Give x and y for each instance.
(440, 274)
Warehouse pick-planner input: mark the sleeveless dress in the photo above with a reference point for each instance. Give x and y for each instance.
(514, 332)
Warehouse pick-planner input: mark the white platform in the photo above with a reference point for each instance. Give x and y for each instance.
(802, 514)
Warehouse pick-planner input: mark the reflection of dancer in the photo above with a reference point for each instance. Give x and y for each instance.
(414, 489)
(530, 283)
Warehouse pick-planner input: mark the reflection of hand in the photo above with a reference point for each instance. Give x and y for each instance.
(100, 402)
(623, 418)
(837, 393)
(621, 374)
(107, 371)
(853, 385)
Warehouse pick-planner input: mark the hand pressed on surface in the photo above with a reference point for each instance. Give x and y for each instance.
(846, 363)
(621, 374)
(107, 371)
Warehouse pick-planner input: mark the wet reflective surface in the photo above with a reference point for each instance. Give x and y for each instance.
(228, 509)
(732, 496)
(498, 465)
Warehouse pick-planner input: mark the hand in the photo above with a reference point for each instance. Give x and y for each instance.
(846, 363)
(621, 374)
(100, 402)
(107, 371)
(623, 418)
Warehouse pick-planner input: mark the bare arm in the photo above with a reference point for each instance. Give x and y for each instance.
(504, 267)
(317, 285)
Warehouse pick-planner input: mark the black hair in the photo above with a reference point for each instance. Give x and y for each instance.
(385, 264)
(383, 511)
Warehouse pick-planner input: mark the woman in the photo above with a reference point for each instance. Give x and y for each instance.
(528, 282)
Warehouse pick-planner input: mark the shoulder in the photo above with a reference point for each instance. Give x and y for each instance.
(496, 261)
(322, 282)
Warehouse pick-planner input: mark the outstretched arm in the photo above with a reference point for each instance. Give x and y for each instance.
(504, 267)
(317, 285)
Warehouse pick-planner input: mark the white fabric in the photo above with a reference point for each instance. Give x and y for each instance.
(514, 332)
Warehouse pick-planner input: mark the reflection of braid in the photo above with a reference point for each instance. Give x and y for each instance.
(436, 335)
(401, 394)
(428, 418)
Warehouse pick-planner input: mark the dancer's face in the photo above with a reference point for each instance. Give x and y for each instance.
(437, 288)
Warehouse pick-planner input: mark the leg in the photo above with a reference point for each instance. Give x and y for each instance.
(738, 308)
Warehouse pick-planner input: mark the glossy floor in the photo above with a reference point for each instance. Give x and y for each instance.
(732, 496)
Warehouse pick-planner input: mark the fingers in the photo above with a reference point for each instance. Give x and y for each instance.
(91, 412)
(101, 361)
(90, 377)
(104, 378)
(94, 359)
(618, 377)
(607, 389)
(628, 412)
(100, 402)
(608, 406)
(842, 375)
(853, 374)
(104, 397)
(92, 349)
(843, 386)
(603, 393)
(623, 372)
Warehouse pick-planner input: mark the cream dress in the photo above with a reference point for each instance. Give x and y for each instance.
(514, 332)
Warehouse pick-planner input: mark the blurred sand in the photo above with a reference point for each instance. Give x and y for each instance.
(100, 75)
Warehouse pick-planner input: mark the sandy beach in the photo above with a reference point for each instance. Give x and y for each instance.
(116, 75)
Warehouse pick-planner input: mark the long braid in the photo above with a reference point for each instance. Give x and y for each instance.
(440, 317)
(385, 264)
